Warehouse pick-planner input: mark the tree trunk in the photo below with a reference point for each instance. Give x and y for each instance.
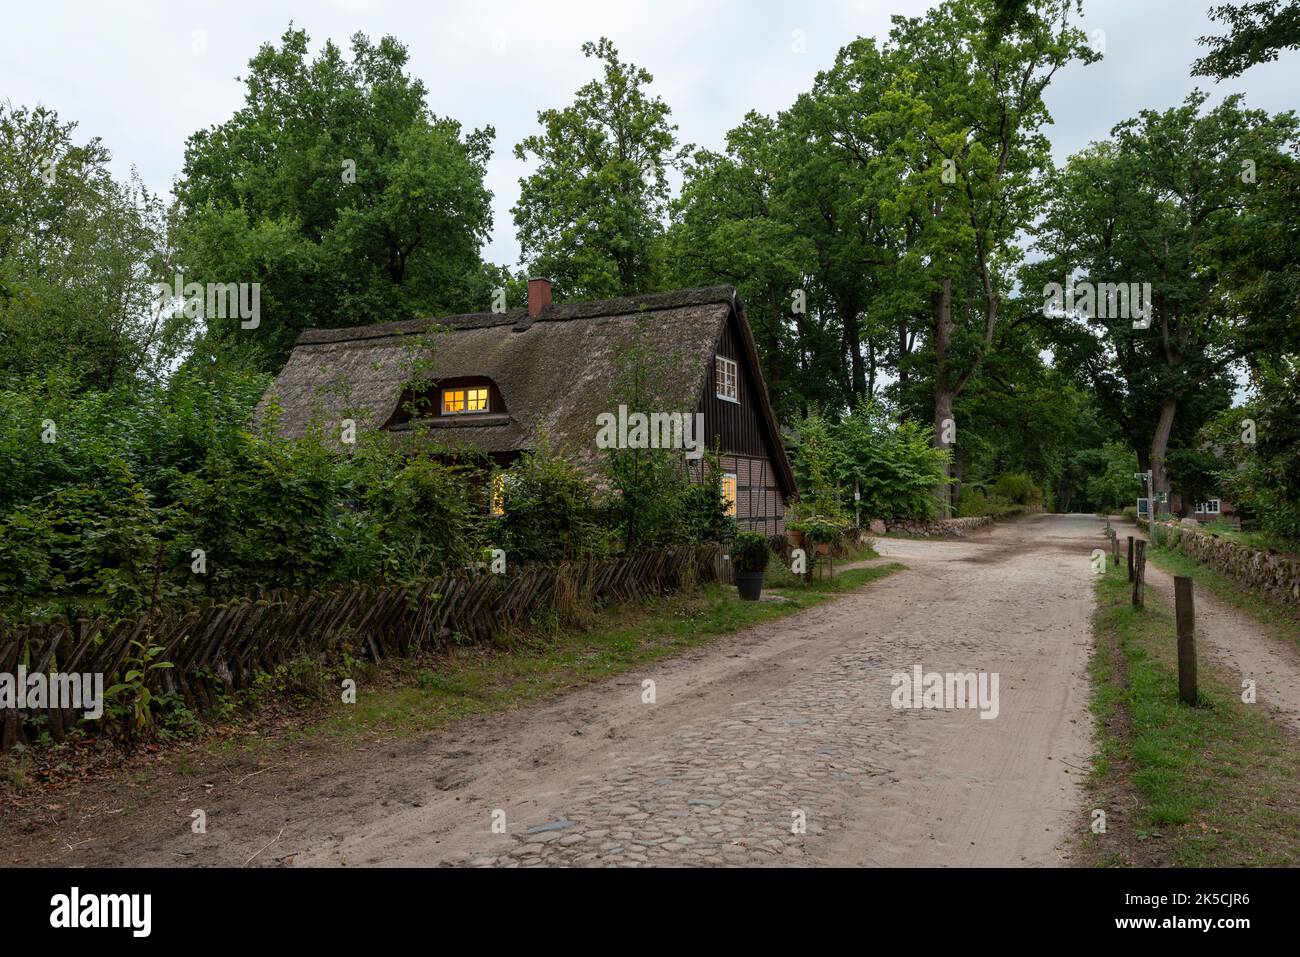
(1160, 444)
(944, 394)
(853, 342)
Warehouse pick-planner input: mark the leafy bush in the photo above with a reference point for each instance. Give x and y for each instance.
(704, 510)
(550, 512)
(1017, 488)
(99, 540)
(894, 465)
(749, 552)
(426, 517)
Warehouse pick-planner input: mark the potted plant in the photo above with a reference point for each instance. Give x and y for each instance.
(822, 533)
(749, 558)
(796, 524)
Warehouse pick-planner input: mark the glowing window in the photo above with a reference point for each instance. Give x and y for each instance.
(498, 494)
(729, 493)
(460, 401)
(724, 371)
(1211, 507)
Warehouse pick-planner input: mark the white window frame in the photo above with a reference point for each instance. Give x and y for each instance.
(734, 509)
(467, 389)
(1204, 508)
(721, 366)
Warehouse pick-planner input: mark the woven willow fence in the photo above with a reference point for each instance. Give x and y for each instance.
(227, 645)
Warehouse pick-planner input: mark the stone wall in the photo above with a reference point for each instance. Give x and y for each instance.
(945, 526)
(1266, 571)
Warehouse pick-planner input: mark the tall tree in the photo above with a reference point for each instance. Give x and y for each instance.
(79, 252)
(1153, 207)
(337, 190)
(730, 226)
(970, 104)
(593, 214)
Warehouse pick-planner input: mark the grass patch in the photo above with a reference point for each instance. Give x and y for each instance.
(1213, 785)
(412, 699)
(1261, 540)
(779, 577)
(1279, 620)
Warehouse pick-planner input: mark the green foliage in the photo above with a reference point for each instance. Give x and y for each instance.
(647, 487)
(128, 701)
(820, 531)
(425, 518)
(1017, 488)
(97, 539)
(337, 190)
(1115, 487)
(1261, 479)
(78, 251)
(1190, 200)
(895, 465)
(1256, 33)
(590, 216)
(750, 552)
(814, 460)
(704, 510)
(550, 512)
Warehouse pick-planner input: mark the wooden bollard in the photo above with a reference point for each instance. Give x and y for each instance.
(1185, 614)
(1130, 558)
(1139, 572)
(1114, 548)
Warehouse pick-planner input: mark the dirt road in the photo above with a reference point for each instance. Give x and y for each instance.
(790, 723)
(1242, 649)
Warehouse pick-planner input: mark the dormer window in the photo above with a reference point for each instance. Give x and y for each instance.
(466, 400)
(724, 374)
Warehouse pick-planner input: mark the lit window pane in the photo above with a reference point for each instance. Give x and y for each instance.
(729, 493)
(498, 494)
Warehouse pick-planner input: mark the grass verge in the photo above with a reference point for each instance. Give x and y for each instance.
(1213, 785)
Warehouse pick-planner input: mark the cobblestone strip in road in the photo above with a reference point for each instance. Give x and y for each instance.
(727, 792)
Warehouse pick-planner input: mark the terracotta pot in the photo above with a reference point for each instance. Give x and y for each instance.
(822, 548)
(795, 539)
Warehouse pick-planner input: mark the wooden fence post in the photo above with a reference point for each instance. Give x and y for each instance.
(1114, 548)
(1185, 613)
(1139, 572)
(1130, 558)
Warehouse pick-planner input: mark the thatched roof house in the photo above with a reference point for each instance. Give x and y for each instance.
(498, 382)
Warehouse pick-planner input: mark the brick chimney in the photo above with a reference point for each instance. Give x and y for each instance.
(539, 296)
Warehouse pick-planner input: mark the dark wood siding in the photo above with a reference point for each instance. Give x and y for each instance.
(737, 427)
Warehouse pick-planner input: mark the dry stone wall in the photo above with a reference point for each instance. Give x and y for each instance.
(1264, 570)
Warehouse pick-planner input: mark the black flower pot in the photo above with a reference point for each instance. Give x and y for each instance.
(750, 585)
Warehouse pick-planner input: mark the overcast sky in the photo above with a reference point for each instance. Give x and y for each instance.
(144, 75)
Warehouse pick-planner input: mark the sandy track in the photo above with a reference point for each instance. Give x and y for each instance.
(1242, 649)
(791, 717)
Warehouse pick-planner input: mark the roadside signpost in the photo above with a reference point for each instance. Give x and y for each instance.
(1146, 506)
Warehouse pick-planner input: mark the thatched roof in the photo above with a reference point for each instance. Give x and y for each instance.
(555, 372)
